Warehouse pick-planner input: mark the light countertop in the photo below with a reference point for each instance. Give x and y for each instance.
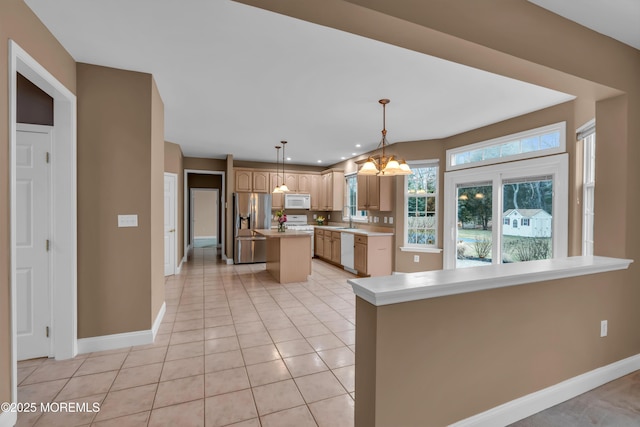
(354, 230)
(283, 234)
(405, 287)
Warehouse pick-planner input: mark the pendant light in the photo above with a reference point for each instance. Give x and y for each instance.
(277, 189)
(384, 166)
(283, 187)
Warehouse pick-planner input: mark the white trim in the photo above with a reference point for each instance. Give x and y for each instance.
(127, 339)
(419, 249)
(63, 206)
(533, 403)
(557, 165)
(8, 419)
(179, 267)
(560, 126)
(156, 323)
(205, 237)
(384, 290)
(175, 240)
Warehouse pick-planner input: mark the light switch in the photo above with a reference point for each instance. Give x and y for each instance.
(127, 220)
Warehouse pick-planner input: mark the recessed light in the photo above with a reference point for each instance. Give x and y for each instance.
(353, 154)
(342, 158)
(319, 161)
(358, 146)
(289, 158)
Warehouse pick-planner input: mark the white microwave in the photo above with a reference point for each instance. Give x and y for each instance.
(297, 201)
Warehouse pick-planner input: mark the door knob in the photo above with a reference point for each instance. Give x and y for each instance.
(171, 231)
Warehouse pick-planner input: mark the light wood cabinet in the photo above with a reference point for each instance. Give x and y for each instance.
(261, 182)
(244, 181)
(291, 179)
(304, 183)
(375, 193)
(277, 199)
(316, 198)
(335, 247)
(318, 243)
(360, 255)
(251, 181)
(332, 191)
(372, 255)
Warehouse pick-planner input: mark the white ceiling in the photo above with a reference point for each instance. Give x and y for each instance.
(236, 79)
(618, 19)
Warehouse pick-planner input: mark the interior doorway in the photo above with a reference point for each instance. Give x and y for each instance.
(205, 218)
(62, 211)
(203, 180)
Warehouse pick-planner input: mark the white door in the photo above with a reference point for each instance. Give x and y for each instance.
(33, 213)
(169, 224)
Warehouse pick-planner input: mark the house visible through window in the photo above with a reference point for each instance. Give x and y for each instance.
(528, 221)
(421, 202)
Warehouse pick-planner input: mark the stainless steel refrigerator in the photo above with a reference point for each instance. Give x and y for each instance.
(251, 211)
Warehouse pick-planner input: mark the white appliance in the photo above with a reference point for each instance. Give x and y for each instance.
(300, 223)
(297, 201)
(346, 251)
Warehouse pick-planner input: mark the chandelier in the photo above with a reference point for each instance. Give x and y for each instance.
(384, 165)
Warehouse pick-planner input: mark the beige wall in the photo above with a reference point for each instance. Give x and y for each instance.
(444, 351)
(19, 23)
(157, 201)
(173, 162)
(120, 171)
(205, 213)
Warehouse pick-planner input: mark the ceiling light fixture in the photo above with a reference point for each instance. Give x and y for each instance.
(383, 165)
(277, 189)
(283, 187)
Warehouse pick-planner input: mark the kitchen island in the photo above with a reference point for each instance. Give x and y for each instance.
(288, 255)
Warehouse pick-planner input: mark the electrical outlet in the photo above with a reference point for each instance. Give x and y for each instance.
(127, 220)
(416, 258)
(604, 326)
(390, 220)
(385, 219)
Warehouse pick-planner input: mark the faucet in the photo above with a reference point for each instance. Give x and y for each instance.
(350, 221)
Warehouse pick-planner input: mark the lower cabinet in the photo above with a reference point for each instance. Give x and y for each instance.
(318, 243)
(371, 254)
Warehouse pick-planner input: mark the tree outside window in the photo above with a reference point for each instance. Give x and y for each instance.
(421, 206)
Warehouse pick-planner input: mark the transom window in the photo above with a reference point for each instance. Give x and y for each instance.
(532, 143)
(421, 203)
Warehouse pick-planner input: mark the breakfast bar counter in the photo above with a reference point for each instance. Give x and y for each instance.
(288, 255)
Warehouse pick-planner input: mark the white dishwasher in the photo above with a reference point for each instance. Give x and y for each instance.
(346, 251)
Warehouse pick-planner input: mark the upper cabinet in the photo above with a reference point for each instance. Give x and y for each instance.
(261, 182)
(304, 183)
(315, 191)
(332, 191)
(375, 193)
(277, 199)
(291, 179)
(248, 180)
(244, 180)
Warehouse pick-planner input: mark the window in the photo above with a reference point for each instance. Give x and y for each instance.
(587, 135)
(532, 192)
(351, 200)
(421, 201)
(524, 145)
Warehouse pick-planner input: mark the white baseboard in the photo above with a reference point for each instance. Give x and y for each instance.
(8, 419)
(229, 261)
(533, 403)
(158, 321)
(127, 339)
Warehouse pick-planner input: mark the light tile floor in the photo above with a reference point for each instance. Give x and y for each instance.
(234, 348)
